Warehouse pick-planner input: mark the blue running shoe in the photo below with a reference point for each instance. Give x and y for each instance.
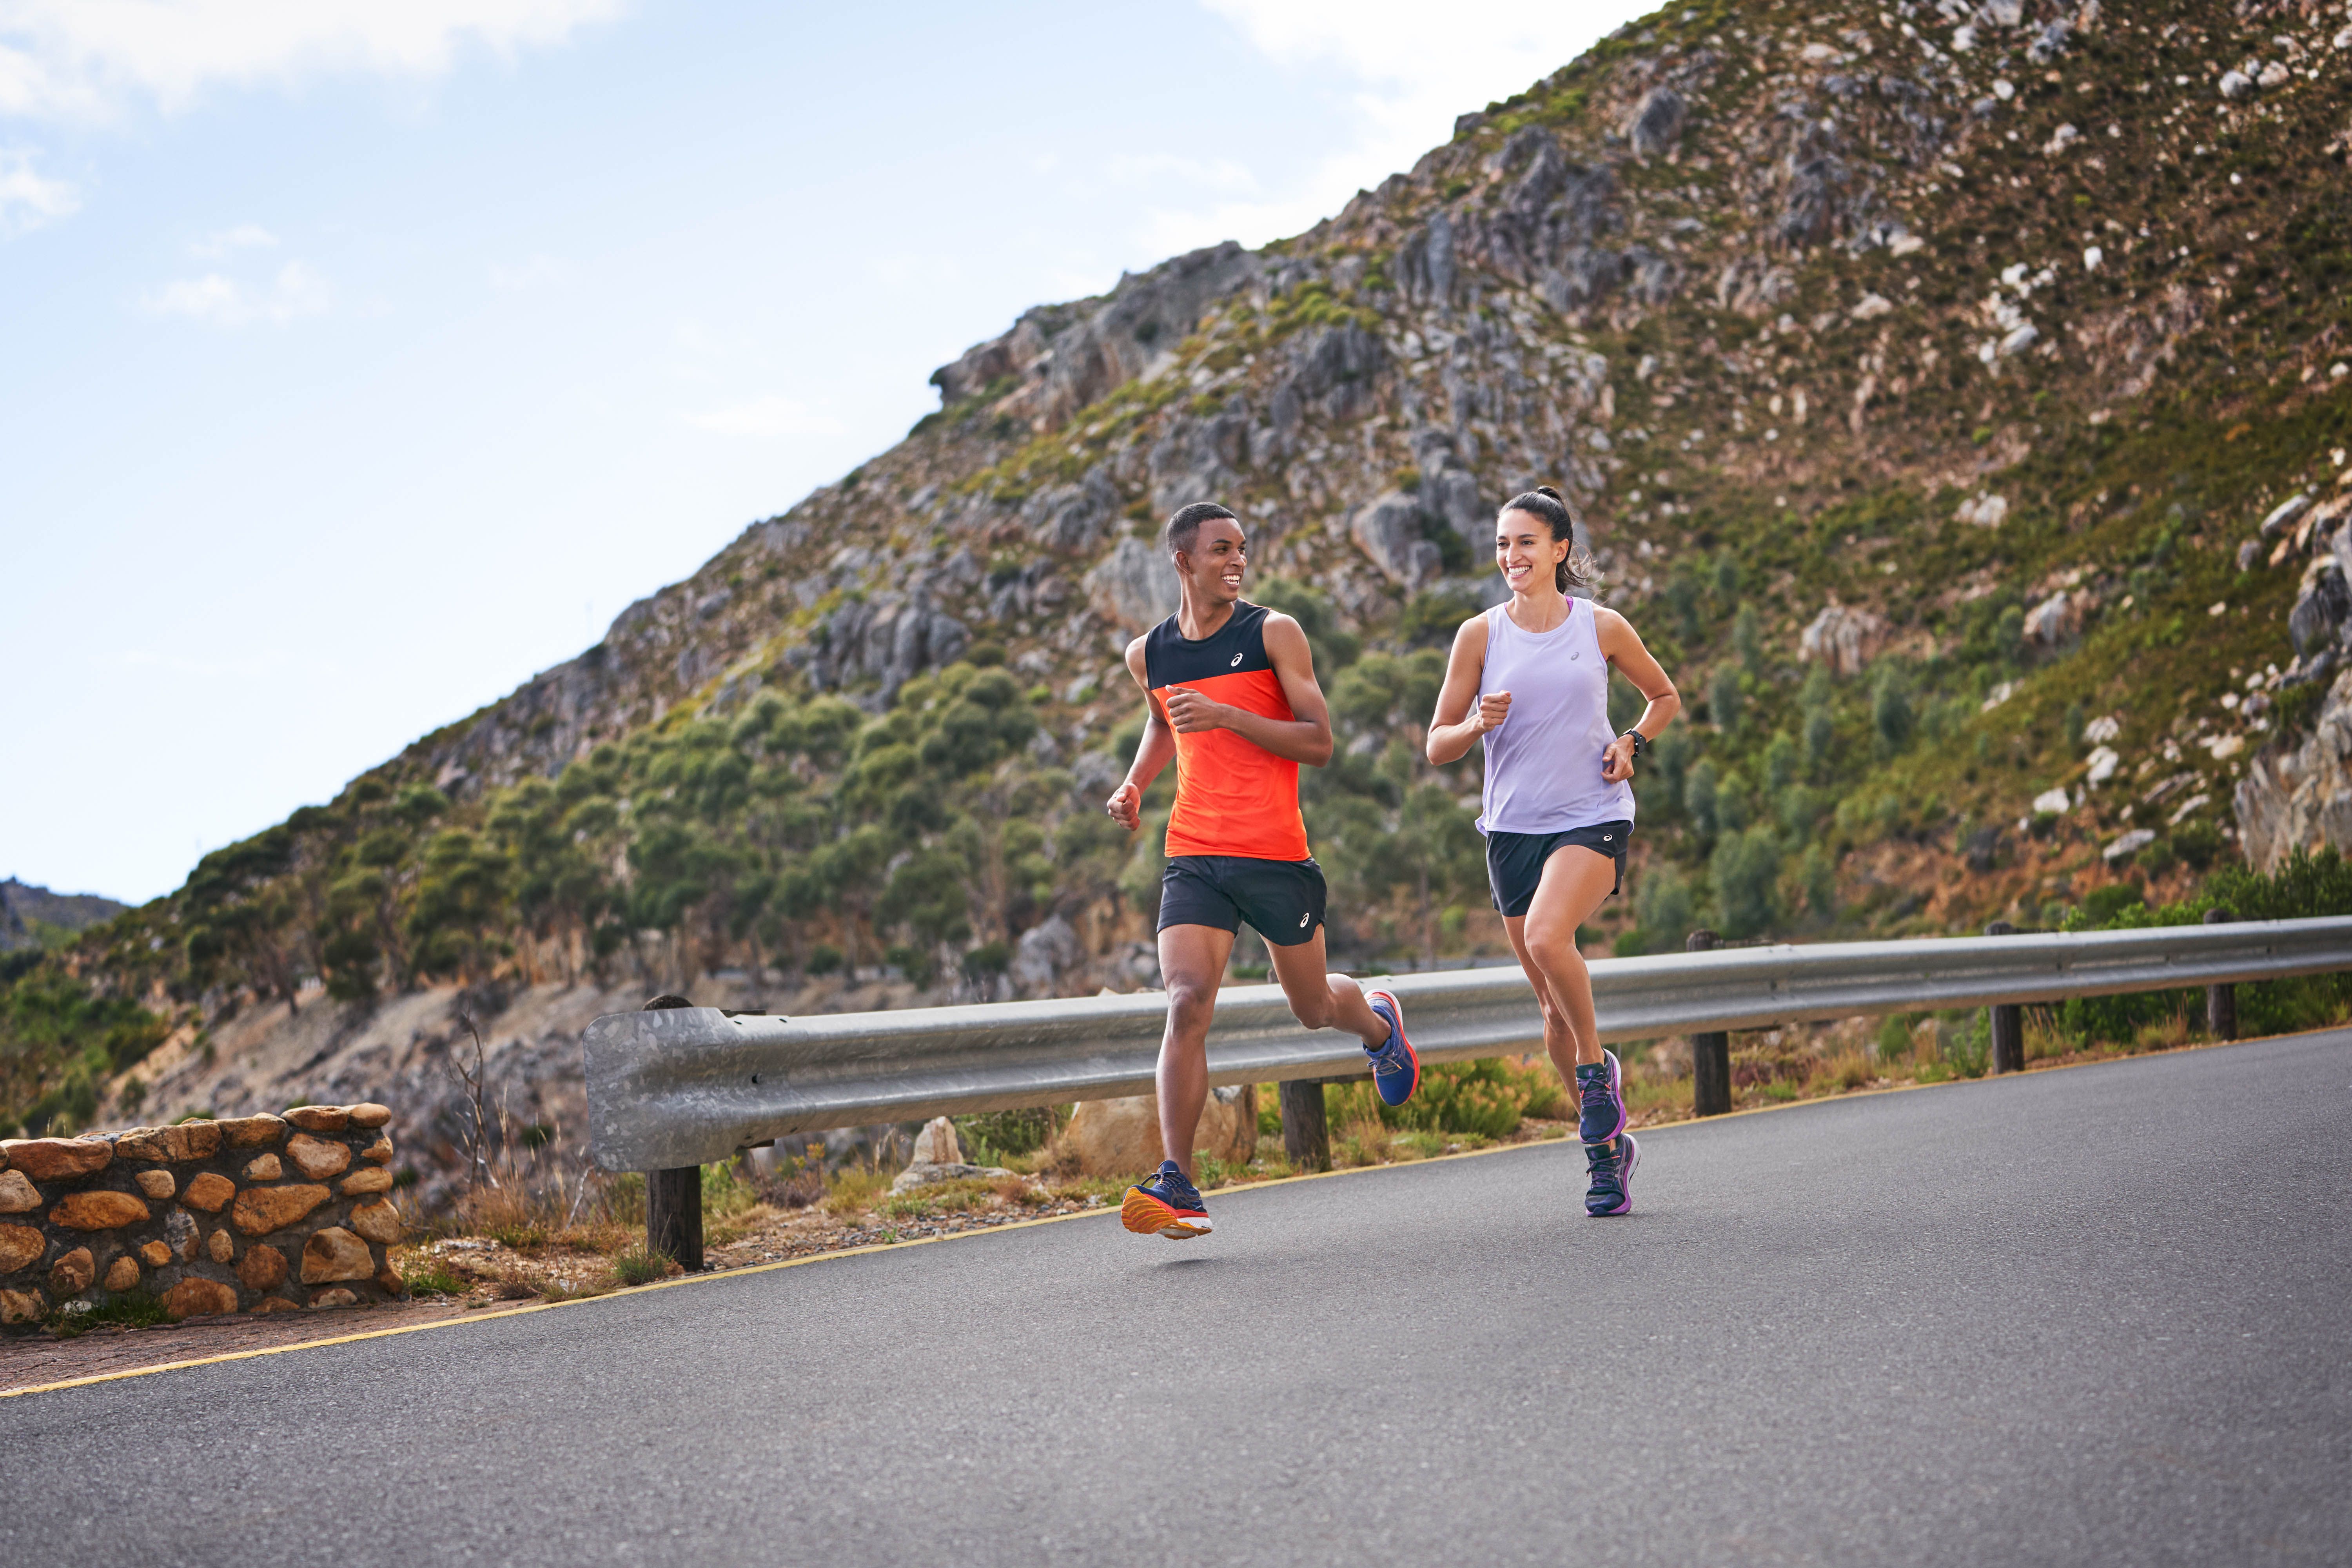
(1167, 1204)
(1601, 1088)
(1396, 1067)
(1611, 1165)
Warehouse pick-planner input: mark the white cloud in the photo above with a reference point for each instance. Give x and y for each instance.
(1407, 74)
(769, 416)
(223, 242)
(29, 199)
(87, 58)
(224, 302)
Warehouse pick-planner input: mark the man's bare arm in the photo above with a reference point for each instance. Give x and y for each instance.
(1152, 752)
(1304, 739)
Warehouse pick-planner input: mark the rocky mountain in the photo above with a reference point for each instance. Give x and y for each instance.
(1957, 396)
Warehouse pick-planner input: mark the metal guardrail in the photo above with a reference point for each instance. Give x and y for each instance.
(692, 1085)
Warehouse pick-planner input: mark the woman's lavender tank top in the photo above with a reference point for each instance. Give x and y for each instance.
(1543, 765)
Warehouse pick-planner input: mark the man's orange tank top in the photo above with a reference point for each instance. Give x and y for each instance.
(1232, 795)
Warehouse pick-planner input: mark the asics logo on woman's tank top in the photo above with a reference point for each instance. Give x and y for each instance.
(1237, 661)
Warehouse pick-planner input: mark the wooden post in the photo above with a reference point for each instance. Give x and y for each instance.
(2008, 1021)
(2220, 1001)
(1710, 1053)
(1306, 1133)
(674, 1197)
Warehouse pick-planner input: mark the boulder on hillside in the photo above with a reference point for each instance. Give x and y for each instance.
(1388, 529)
(2301, 796)
(1134, 586)
(938, 1157)
(2053, 621)
(2283, 515)
(1121, 1137)
(1983, 510)
(1847, 640)
(1045, 953)
(1657, 122)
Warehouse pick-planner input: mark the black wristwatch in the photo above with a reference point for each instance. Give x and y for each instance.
(1640, 742)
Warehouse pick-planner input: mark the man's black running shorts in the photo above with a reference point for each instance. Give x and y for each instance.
(1515, 861)
(1281, 900)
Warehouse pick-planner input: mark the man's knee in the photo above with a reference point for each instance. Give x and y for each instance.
(1315, 1010)
(1191, 1001)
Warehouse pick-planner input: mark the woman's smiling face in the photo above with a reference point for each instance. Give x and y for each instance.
(1526, 554)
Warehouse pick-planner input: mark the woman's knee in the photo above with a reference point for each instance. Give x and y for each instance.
(1553, 949)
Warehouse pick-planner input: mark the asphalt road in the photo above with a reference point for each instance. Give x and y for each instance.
(2094, 1316)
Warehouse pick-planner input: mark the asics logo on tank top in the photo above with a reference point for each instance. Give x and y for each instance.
(1237, 662)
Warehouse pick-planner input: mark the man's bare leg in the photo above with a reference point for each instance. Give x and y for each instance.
(1191, 964)
(1321, 1000)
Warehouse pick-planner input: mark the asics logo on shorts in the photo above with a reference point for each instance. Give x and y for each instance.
(1302, 922)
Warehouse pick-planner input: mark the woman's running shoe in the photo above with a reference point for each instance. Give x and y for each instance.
(1600, 1089)
(1396, 1067)
(1165, 1204)
(1611, 1165)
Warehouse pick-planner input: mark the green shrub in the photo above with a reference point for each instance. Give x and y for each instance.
(990, 1138)
(641, 1264)
(1489, 1097)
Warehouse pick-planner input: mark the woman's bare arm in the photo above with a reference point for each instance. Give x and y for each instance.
(1461, 714)
(1622, 647)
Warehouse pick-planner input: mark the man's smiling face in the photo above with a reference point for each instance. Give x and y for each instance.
(1217, 561)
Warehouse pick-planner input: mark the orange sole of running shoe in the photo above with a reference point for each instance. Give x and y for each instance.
(1146, 1216)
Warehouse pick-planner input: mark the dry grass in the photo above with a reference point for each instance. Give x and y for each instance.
(854, 1192)
(1361, 1141)
(1849, 1070)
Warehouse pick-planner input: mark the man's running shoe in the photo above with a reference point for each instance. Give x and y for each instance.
(1396, 1066)
(1166, 1204)
(1612, 1167)
(1601, 1086)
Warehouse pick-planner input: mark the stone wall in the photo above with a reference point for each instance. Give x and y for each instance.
(261, 1214)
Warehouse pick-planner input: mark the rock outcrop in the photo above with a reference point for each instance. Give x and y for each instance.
(2301, 796)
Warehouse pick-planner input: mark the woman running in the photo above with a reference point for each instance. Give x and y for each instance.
(1531, 678)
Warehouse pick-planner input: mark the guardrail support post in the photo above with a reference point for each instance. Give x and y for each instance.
(1305, 1133)
(674, 1197)
(2220, 1001)
(1710, 1053)
(2008, 1021)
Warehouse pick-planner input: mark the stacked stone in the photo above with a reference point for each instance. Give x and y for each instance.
(260, 1213)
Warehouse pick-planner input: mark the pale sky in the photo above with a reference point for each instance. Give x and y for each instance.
(363, 359)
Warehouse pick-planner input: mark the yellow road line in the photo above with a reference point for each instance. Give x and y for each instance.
(1056, 1219)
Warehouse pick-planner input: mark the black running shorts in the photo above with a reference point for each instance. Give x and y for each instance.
(1281, 900)
(1515, 861)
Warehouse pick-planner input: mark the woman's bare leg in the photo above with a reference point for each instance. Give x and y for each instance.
(1575, 882)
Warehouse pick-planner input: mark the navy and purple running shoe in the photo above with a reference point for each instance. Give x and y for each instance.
(1600, 1089)
(1396, 1066)
(1611, 1166)
(1165, 1203)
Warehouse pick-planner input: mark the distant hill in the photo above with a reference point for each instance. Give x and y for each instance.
(25, 910)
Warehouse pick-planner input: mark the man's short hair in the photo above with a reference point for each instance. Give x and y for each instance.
(1186, 526)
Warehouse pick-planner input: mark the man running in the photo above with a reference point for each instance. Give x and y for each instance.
(1231, 696)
